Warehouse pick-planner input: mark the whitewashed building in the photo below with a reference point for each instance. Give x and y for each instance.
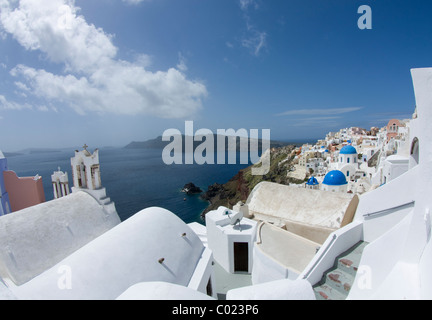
(347, 161)
(87, 177)
(231, 237)
(5, 206)
(60, 182)
(86, 169)
(152, 246)
(383, 251)
(386, 251)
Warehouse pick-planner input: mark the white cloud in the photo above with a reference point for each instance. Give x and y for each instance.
(323, 117)
(328, 111)
(132, 91)
(54, 28)
(245, 4)
(254, 39)
(22, 86)
(43, 108)
(9, 105)
(255, 42)
(182, 63)
(323, 122)
(134, 2)
(94, 80)
(143, 60)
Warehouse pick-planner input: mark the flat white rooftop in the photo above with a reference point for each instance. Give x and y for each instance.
(292, 251)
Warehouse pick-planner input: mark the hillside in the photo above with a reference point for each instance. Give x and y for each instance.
(239, 187)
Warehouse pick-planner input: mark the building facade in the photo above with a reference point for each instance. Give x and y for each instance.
(5, 206)
(60, 182)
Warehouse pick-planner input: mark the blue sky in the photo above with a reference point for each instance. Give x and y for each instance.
(107, 72)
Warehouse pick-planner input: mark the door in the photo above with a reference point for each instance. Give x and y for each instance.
(241, 257)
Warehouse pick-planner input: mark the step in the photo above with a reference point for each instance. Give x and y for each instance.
(104, 201)
(349, 261)
(326, 292)
(339, 280)
(335, 285)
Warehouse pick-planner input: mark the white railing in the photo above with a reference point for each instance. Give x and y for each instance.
(389, 210)
(338, 242)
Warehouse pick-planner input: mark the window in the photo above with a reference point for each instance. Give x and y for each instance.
(414, 160)
(80, 180)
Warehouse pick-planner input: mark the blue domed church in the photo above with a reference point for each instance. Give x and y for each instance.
(312, 183)
(335, 181)
(347, 161)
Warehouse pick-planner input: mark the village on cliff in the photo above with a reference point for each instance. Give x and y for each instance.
(358, 228)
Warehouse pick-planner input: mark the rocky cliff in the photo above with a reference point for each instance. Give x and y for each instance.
(239, 187)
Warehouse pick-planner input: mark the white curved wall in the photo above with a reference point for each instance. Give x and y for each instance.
(36, 238)
(124, 256)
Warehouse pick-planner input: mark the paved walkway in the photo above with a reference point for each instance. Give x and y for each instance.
(225, 281)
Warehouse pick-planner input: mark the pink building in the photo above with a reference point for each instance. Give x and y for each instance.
(23, 192)
(393, 127)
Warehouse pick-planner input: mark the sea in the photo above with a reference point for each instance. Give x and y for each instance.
(134, 179)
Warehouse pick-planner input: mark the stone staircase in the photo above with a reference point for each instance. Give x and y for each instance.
(337, 281)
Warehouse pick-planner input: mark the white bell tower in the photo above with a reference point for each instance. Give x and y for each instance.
(86, 177)
(86, 169)
(60, 182)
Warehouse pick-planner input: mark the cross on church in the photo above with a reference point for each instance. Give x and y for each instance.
(85, 146)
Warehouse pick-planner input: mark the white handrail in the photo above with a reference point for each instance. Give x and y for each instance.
(367, 215)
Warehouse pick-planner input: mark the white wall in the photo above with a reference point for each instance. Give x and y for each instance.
(36, 238)
(399, 257)
(204, 273)
(126, 255)
(266, 269)
(338, 242)
(394, 166)
(221, 236)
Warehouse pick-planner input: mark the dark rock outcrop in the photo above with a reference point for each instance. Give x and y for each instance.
(190, 188)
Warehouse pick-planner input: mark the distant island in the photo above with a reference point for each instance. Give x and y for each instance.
(30, 151)
(158, 143)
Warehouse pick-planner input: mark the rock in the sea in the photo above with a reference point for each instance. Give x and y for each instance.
(190, 188)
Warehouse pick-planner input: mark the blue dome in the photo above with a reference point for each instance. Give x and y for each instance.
(312, 182)
(348, 150)
(335, 178)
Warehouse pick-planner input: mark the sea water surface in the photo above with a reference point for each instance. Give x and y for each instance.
(134, 179)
